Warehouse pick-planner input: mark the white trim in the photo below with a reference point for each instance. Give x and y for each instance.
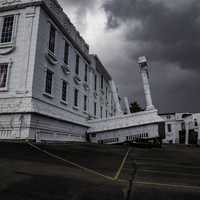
(12, 43)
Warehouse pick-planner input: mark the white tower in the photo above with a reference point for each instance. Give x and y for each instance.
(116, 98)
(127, 105)
(142, 61)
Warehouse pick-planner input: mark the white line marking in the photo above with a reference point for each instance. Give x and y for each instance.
(71, 163)
(167, 172)
(169, 185)
(122, 165)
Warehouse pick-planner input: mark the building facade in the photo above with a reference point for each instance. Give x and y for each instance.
(51, 88)
(49, 83)
(182, 128)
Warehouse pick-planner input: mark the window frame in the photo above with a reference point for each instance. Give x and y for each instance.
(3, 30)
(86, 73)
(14, 29)
(52, 27)
(102, 82)
(76, 98)
(45, 88)
(66, 91)
(95, 82)
(101, 112)
(95, 109)
(85, 103)
(66, 52)
(77, 67)
(169, 128)
(4, 89)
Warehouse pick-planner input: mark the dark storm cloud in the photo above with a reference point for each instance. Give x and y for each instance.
(168, 33)
(161, 32)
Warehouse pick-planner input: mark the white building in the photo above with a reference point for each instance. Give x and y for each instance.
(182, 128)
(50, 86)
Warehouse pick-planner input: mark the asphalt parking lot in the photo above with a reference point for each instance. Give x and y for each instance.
(169, 173)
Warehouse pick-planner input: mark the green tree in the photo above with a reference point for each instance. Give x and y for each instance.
(135, 107)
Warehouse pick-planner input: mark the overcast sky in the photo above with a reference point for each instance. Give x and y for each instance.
(166, 31)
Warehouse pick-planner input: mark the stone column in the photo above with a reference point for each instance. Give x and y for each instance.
(142, 61)
(116, 98)
(127, 105)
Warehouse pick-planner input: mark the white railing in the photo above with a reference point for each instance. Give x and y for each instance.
(60, 137)
(5, 134)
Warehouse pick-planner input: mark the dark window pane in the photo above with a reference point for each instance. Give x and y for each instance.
(76, 97)
(49, 77)
(77, 64)
(52, 39)
(101, 112)
(101, 81)
(64, 91)
(3, 75)
(66, 53)
(86, 73)
(95, 109)
(85, 103)
(169, 127)
(95, 82)
(6, 35)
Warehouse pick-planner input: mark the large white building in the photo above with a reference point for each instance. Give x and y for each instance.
(182, 128)
(51, 88)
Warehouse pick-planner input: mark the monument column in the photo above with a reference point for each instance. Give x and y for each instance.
(116, 98)
(142, 61)
(127, 105)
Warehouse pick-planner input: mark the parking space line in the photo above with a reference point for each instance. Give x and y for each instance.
(167, 172)
(166, 165)
(71, 163)
(122, 165)
(168, 185)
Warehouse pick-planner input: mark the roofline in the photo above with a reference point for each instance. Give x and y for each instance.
(172, 113)
(103, 69)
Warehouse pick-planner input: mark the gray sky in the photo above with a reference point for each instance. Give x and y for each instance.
(166, 31)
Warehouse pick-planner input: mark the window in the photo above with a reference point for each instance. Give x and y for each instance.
(86, 73)
(76, 98)
(77, 64)
(195, 122)
(64, 91)
(7, 30)
(66, 53)
(101, 112)
(106, 114)
(85, 103)
(3, 75)
(95, 82)
(106, 93)
(169, 127)
(183, 126)
(95, 109)
(49, 79)
(52, 39)
(168, 116)
(101, 81)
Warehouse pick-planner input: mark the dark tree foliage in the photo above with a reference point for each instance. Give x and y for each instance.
(135, 107)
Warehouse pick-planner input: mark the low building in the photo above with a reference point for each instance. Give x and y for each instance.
(182, 128)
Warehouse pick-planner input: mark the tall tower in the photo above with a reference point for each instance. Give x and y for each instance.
(142, 61)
